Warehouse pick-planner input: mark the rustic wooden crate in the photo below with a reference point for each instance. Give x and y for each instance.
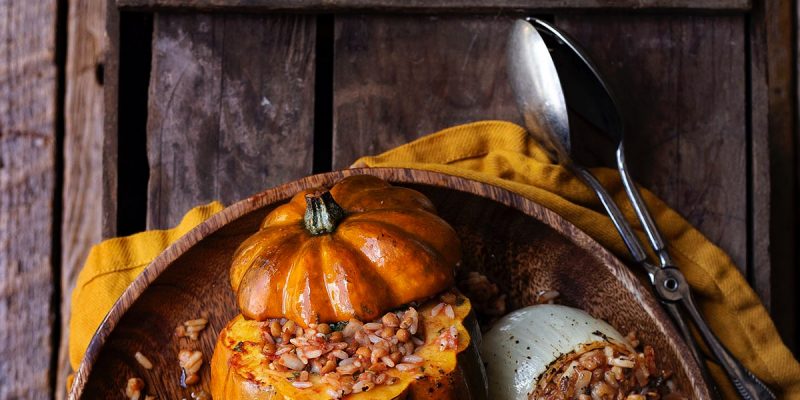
(244, 95)
(219, 99)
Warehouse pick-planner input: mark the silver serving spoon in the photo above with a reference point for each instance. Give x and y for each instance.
(596, 103)
(668, 282)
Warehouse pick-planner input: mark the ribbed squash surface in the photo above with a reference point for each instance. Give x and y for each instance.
(310, 263)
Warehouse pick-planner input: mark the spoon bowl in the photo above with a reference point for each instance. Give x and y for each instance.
(537, 90)
(592, 99)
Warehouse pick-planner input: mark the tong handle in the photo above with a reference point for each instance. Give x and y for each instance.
(617, 217)
(639, 206)
(691, 343)
(671, 285)
(636, 249)
(748, 386)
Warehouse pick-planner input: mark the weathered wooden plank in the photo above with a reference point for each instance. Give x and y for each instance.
(231, 108)
(680, 81)
(110, 121)
(397, 78)
(27, 176)
(438, 6)
(760, 185)
(776, 281)
(796, 185)
(81, 226)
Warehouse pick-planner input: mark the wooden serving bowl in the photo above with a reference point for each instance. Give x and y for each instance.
(520, 245)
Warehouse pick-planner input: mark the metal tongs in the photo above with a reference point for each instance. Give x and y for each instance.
(591, 98)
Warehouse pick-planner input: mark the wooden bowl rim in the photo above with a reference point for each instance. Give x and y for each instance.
(393, 175)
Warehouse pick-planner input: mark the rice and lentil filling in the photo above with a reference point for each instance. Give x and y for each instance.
(347, 358)
(610, 372)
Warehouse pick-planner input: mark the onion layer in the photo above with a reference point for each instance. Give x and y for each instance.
(536, 341)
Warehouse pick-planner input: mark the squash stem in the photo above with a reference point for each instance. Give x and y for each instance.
(323, 214)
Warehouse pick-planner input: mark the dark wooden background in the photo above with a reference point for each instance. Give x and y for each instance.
(118, 117)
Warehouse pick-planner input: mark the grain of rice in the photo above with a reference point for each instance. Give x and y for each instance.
(362, 386)
(448, 311)
(340, 354)
(621, 362)
(388, 361)
(191, 328)
(313, 353)
(196, 322)
(546, 296)
(608, 373)
(408, 347)
(412, 359)
(143, 361)
(372, 326)
(347, 369)
(351, 328)
(403, 367)
(190, 361)
(133, 390)
(291, 361)
(355, 357)
(284, 348)
(302, 385)
(437, 309)
(348, 361)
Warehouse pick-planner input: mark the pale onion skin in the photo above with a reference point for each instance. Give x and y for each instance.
(524, 344)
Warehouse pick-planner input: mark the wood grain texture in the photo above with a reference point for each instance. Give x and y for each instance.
(397, 78)
(110, 120)
(230, 108)
(680, 81)
(82, 214)
(780, 278)
(438, 6)
(522, 246)
(760, 185)
(27, 176)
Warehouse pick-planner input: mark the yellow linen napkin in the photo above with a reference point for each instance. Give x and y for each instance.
(502, 154)
(110, 267)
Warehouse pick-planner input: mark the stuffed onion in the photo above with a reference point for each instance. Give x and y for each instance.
(556, 352)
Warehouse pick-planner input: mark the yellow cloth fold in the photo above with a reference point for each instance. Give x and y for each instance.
(110, 267)
(502, 154)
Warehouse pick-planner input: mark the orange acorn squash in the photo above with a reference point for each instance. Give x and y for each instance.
(360, 249)
(239, 369)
